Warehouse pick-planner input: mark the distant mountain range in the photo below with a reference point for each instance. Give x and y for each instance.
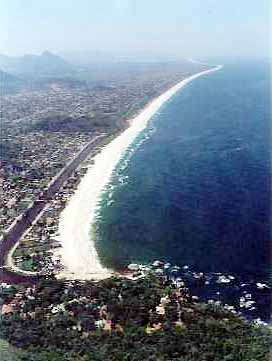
(46, 65)
(6, 77)
(36, 71)
(9, 83)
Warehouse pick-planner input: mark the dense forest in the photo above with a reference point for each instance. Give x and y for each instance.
(64, 123)
(122, 319)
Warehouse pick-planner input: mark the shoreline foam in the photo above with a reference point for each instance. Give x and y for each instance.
(78, 254)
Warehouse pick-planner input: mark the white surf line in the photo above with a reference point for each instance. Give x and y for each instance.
(78, 254)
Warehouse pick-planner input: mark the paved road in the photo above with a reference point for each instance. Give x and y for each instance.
(23, 223)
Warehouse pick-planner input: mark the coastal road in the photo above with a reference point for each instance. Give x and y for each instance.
(24, 221)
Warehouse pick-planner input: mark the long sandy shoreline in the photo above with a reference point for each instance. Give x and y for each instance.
(78, 254)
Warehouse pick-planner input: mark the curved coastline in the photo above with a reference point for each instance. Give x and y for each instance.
(78, 253)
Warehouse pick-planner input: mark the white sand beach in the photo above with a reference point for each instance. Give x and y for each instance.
(78, 253)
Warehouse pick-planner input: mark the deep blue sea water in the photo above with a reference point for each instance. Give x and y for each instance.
(194, 188)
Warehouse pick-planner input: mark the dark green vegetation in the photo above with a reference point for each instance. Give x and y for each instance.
(7, 352)
(119, 319)
(86, 123)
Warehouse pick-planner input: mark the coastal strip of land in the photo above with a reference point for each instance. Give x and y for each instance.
(78, 252)
(14, 233)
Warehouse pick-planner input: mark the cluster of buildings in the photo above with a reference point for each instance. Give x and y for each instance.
(38, 157)
(32, 154)
(38, 249)
(86, 304)
(117, 96)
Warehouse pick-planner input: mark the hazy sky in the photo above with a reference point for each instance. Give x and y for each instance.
(182, 27)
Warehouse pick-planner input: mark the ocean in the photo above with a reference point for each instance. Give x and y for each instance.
(194, 190)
